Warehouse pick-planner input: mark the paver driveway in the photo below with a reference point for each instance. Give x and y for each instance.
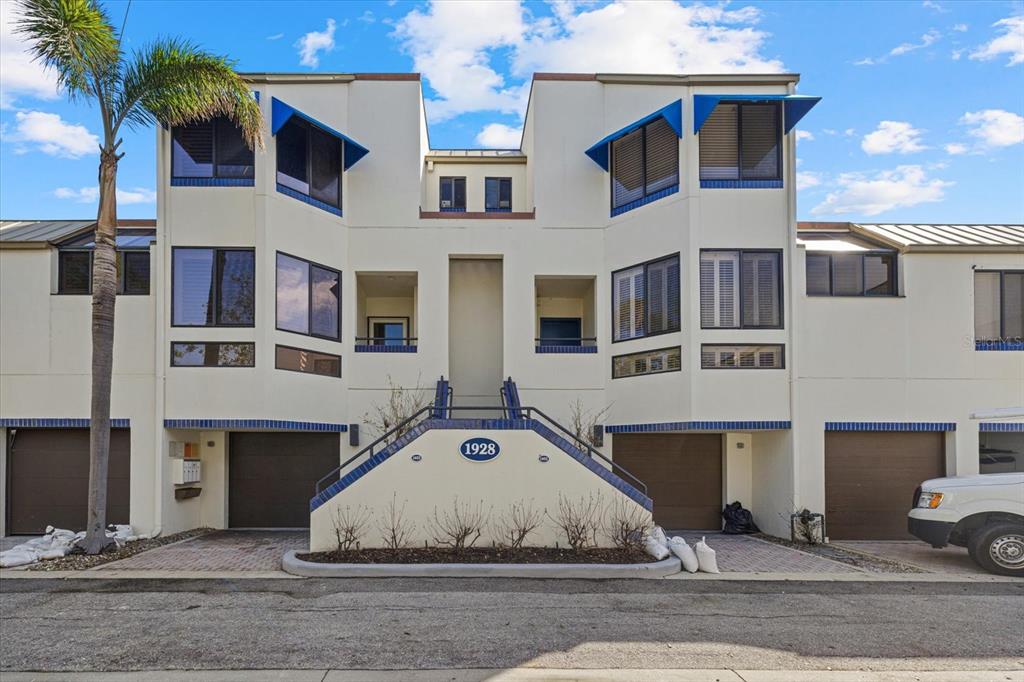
(222, 550)
(744, 554)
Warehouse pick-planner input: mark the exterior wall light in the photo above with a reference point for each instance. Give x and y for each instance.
(542, 458)
(417, 457)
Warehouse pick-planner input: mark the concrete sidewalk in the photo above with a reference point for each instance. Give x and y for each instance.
(531, 675)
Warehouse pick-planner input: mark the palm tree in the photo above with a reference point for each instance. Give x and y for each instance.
(172, 82)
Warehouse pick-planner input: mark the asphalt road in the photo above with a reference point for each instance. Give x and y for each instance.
(85, 625)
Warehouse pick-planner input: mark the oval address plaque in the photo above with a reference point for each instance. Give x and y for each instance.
(479, 449)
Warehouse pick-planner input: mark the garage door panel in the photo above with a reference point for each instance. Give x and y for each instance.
(683, 474)
(49, 479)
(870, 478)
(272, 477)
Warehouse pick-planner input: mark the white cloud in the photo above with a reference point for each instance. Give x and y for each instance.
(927, 39)
(956, 54)
(313, 43)
(931, 4)
(90, 195)
(50, 134)
(20, 75)
(456, 45)
(955, 148)
(861, 194)
(849, 132)
(891, 137)
(804, 135)
(367, 17)
(807, 179)
(1010, 41)
(499, 136)
(994, 127)
(276, 36)
(960, 28)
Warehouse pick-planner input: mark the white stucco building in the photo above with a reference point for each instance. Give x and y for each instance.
(638, 258)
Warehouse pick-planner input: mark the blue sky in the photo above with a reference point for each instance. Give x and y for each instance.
(922, 118)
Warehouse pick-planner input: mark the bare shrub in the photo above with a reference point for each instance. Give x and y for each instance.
(513, 527)
(350, 524)
(626, 523)
(395, 529)
(583, 421)
(459, 527)
(579, 520)
(401, 404)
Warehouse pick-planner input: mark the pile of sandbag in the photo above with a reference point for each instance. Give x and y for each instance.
(58, 542)
(700, 557)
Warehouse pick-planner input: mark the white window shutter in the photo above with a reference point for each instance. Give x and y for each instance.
(719, 289)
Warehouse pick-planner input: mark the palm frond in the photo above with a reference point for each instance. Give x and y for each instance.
(75, 38)
(174, 82)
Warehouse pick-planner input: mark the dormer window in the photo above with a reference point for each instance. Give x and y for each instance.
(309, 162)
(211, 152)
(644, 162)
(742, 141)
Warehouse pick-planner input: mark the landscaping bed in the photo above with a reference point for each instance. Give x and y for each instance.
(480, 555)
(80, 562)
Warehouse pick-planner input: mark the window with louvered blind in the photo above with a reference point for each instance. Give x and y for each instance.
(645, 299)
(210, 149)
(819, 274)
(740, 289)
(851, 274)
(999, 305)
(742, 141)
(647, 362)
(644, 162)
(721, 356)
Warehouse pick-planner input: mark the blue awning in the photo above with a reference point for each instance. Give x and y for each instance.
(793, 106)
(281, 112)
(672, 113)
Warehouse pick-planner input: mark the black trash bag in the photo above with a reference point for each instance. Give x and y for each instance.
(738, 521)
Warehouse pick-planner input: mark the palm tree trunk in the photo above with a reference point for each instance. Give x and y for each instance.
(104, 291)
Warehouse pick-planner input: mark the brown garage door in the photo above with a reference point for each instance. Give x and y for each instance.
(683, 473)
(48, 479)
(272, 476)
(870, 478)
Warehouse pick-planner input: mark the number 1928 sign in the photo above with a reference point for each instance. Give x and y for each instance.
(479, 449)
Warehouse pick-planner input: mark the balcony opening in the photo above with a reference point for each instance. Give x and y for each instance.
(565, 314)
(386, 312)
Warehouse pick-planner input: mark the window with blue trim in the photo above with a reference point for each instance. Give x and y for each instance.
(644, 162)
(999, 306)
(309, 161)
(742, 141)
(497, 194)
(211, 149)
(645, 299)
(453, 194)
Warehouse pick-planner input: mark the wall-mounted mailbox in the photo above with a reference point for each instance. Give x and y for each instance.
(186, 471)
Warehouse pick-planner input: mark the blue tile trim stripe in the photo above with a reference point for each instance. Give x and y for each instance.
(890, 426)
(566, 349)
(452, 210)
(741, 184)
(213, 182)
(480, 425)
(1001, 427)
(700, 426)
(660, 194)
(367, 348)
(56, 423)
(316, 203)
(999, 345)
(277, 424)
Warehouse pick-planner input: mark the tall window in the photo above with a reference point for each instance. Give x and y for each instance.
(498, 194)
(644, 162)
(213, 287)
(851, 274)
(309, 161)
(742, 141)
(645, 299)
(999, 305)
(453, 194)
(740, 289)
(308, 298)
(210, 149)
(74, 263)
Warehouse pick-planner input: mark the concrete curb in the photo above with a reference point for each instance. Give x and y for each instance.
(657, 569)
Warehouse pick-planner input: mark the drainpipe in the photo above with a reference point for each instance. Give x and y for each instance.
(794, 320)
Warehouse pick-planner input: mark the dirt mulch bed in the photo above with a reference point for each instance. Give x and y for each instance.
(479, 555)
(80, 562)
(866, 562)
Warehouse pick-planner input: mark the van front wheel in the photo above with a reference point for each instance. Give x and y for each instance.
(999, 548)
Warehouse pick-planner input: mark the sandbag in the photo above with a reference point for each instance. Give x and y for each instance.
(686, 555)
(659, 535)
(14, 557)
(655, 548)
(706, 557)
(738, 521)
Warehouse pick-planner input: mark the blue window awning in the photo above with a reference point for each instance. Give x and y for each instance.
(672, 113)
(794, 106)
(281, 112)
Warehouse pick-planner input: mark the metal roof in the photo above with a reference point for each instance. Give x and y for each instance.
(41, 232)
(931, 237)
